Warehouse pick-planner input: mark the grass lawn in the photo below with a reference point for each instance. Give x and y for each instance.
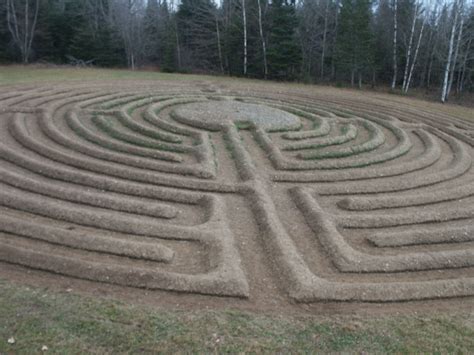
(17, 74)
(68, 323)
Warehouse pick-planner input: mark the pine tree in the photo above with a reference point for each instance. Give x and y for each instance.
(232, 37)
(169, 61)
(284, 55)
(94, 39)
(151, 31)
(4, 38)
(383, 39)
(197, 34)
(355, 42)
(43, 46)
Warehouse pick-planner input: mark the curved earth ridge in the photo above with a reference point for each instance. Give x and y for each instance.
(144, 186)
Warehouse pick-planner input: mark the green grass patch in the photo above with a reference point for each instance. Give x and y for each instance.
(67, 323)
(243, 125)
(17, 74)
(108, 126)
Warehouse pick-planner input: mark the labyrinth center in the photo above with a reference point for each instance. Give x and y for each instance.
(146, 185)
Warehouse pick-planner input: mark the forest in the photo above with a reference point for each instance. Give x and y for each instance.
(402, 44)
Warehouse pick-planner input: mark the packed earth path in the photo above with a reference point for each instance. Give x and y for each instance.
(203, 192)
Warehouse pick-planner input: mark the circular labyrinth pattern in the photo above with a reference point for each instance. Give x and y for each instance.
(171, 188)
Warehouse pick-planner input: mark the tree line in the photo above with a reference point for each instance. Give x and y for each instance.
(402, 43)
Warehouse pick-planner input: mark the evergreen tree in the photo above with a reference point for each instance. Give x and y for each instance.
(43, 46)
(151, 32)
(4, 37)
(355, 43)
(197, 34)
(168, 46)
(233, 36)
(101, 47)
(254, 51)
(306, 39)
(93, 38)
(383, 39)
(284, 54)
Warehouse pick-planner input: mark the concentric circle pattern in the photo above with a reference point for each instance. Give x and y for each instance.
(152, 186)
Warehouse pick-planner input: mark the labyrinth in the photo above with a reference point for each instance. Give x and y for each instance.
(185, 187)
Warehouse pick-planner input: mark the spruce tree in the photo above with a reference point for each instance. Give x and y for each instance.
(93, 40)
(4, 38)
(64, 21)
(43, 45)
(355, 50)
(197, 34)
(233, 37)
(151, 32)
(284, 54)
(169, 44)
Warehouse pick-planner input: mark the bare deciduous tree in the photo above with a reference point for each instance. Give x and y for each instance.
(455, 14)
(325, 30)
(395, 28)
(244, 19)
(262, 38)
(219, 47)
(409, 50)
(127, 18)
(22, 25)
(456, 52)
(407, 84)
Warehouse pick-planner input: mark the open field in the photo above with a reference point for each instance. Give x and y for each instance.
(189, 193)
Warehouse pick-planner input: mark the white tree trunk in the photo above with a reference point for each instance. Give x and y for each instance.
(323, 54)
(262, 37)
(25, 35)
(450, 54)
(407, 85)
(178, 48)
(244, 18)
(336, 22)
(395, 27)
(219, 49)
(410, 43)
(22, 35)
(456, 52)
(32, 30)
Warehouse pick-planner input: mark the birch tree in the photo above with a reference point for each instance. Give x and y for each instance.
(409, 50)
(262, 38)
(127, 16)
(407, 84)
(395, 28)
(244, 19)
(456, 52)
(334, 42)
(444, 92)
(219, 47)
(21, 22)
(325, 30)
